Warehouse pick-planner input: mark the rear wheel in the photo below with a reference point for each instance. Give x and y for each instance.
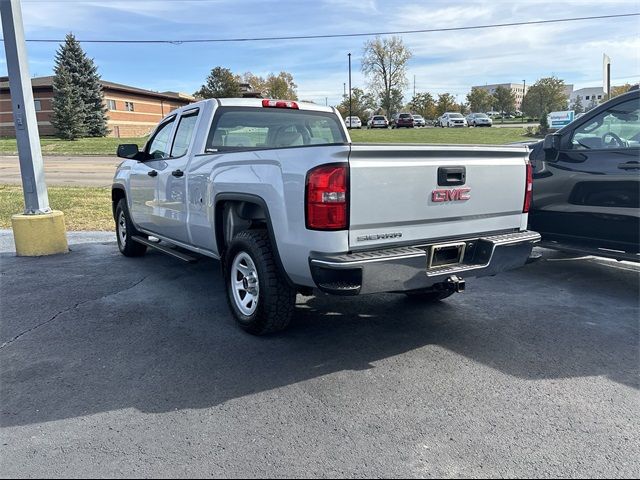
(125, 230)
(258, 294)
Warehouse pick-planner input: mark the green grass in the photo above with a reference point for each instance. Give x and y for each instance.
(85, 208)
(440, 135)
(82, 146)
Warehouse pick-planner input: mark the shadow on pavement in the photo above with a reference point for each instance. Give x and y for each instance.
(93, 331)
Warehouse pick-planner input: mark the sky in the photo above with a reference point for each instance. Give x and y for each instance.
(441, 62)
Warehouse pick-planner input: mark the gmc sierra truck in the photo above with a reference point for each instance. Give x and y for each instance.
(278, 193)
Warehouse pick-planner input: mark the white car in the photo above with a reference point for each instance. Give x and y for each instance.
(353, 122)
(378, 121)
(452, 119)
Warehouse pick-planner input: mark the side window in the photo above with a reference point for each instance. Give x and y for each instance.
(159, 145)
(616, 127)
(184, 134)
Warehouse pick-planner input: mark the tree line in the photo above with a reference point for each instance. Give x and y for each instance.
(223, 83)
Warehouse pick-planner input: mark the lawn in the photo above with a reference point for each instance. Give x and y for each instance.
(83, 146)
(108, 145)
(85, 208)
(494, 136)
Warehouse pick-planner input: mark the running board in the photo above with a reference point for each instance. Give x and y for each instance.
(169, 251)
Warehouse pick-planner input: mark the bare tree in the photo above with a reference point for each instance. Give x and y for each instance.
(384, 63)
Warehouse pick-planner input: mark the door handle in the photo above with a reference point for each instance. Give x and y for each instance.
(152, 173)
(633, 165)
(177, 173)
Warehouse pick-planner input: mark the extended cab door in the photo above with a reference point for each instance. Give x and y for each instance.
(171, 214)
(144, 174)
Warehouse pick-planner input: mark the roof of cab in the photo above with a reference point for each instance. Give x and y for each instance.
(257, 102)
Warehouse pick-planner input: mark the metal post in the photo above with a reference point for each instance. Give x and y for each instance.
(524, 91)
(349, 88)
(34, 187)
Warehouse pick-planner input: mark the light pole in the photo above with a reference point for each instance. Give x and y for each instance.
(39, 230)
(349, 88)
(524, 91)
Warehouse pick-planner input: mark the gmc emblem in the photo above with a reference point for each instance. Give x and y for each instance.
(450, 195)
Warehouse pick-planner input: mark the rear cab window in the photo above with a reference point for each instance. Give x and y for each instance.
(184, 133)
(250, 128)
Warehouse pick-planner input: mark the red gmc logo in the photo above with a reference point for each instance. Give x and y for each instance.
(450, 195)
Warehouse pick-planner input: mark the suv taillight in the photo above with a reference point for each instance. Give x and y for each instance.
(327, 197)
(528, 189)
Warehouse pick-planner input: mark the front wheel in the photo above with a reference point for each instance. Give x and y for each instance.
(125, 230)
(261, 299)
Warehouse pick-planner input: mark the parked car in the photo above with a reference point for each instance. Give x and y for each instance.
(353, 122)
(402, 120)
(586, 181)
(278, 193)
(378, 121)
(452, 119)
(418, 121)
(479, 120)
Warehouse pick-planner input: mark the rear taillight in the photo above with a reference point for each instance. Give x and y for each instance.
(528, 189)
(327, 197)
(279, 104)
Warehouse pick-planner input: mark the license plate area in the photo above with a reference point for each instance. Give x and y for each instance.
(446, 255)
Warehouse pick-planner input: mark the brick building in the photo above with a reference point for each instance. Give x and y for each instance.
(131, 111)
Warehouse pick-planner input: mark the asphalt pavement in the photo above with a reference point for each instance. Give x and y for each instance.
(66, 170)
(111, 366)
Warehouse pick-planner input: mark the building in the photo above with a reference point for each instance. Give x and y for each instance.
(131, 111)
(589, 96)
(518, 89)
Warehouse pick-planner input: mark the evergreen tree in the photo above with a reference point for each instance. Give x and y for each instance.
(68, 108)
(577, 105)
(86, 81)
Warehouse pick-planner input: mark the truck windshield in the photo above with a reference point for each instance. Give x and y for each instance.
(242, 128)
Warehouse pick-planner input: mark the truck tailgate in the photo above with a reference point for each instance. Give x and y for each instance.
(392, 197)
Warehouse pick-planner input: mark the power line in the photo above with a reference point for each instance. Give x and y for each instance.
(343, 35)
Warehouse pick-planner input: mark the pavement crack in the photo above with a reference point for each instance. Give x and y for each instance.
(51, 319)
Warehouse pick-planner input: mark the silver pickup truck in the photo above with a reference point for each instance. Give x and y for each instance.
(276, 190)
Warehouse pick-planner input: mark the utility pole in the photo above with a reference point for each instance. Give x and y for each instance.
(24, 112)
(524, 92)
(344, 90)
(38, 231)
(414, 86)
(349, 88)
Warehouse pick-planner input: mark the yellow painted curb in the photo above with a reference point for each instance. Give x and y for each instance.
(37, 235)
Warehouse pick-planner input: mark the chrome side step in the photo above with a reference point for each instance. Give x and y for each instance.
(169, 251)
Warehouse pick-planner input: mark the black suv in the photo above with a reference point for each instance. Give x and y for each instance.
(586, 181)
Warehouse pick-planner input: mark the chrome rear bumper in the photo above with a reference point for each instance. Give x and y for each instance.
(405, 268)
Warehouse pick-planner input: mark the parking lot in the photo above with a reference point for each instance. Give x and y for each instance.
(113, 366)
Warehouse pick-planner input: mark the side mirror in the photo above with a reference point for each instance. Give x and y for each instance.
(551, 142)
(128, 150)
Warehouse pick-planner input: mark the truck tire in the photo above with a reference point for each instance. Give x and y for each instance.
(125, 230)
(258, 294)
(429, 295)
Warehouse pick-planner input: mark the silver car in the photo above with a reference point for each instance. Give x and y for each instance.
(479, 120)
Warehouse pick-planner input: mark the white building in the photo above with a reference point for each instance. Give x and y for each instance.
(588, 96)
(518, 89)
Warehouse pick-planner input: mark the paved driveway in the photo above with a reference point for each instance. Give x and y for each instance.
(132, 367)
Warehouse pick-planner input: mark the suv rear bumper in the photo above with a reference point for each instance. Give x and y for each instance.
(405, 268)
